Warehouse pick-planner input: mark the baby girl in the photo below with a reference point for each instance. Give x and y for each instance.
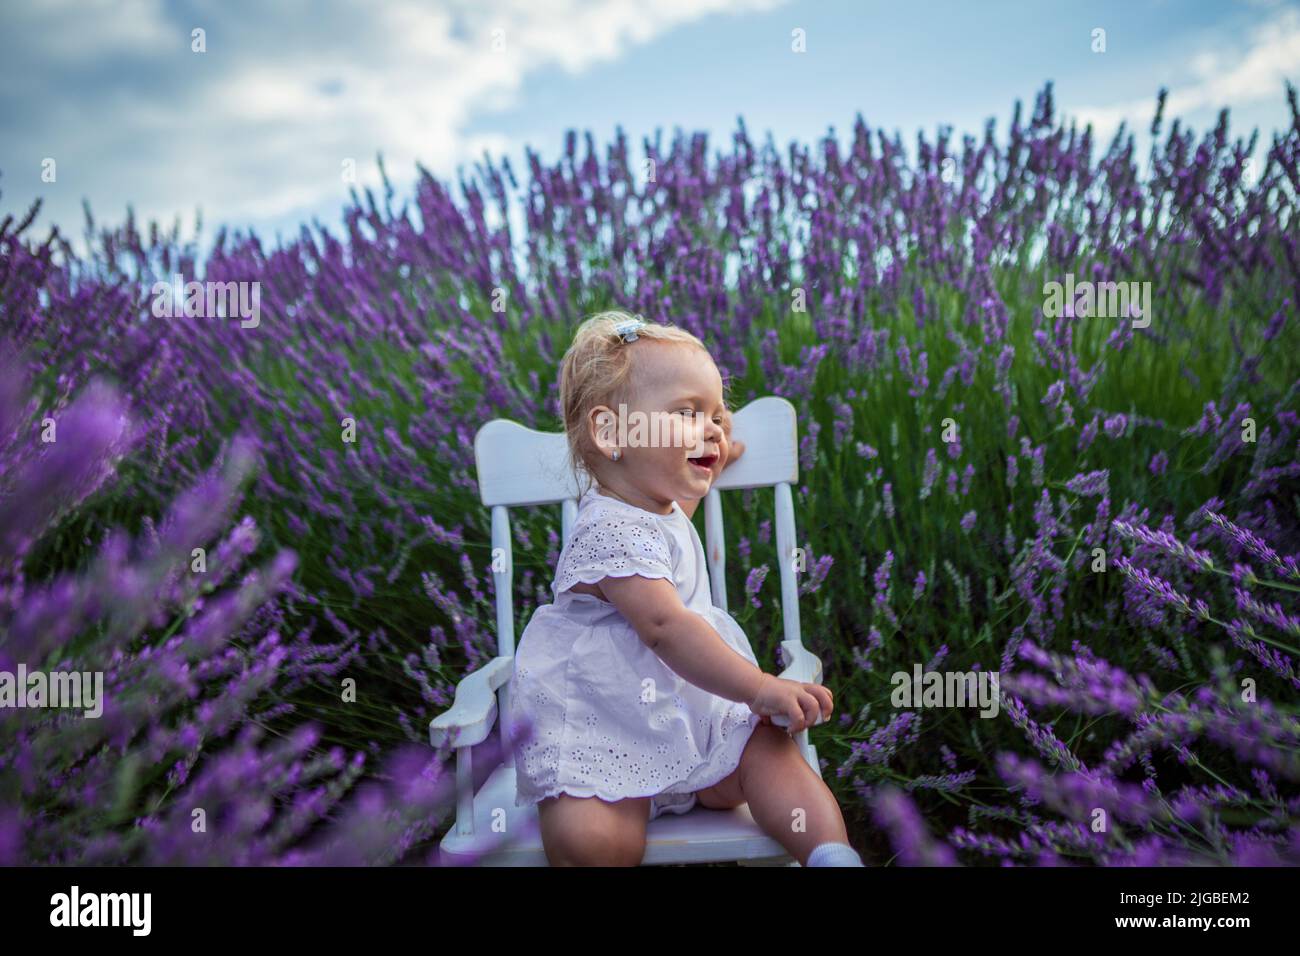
(633, 695)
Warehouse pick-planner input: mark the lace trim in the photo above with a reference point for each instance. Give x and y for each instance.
(613, 543)
(596, 575)
(735, 743)
(677, 807)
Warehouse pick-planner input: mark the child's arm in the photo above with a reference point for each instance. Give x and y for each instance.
(683, 639)
(728, 451)
(689, 645)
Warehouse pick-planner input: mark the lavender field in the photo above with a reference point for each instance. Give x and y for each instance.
(268, 538)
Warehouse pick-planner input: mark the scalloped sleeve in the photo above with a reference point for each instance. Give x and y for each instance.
(614, 544)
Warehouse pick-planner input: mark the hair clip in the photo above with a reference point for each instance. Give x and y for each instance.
(627, 329)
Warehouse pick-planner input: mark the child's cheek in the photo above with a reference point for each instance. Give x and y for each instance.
(723, 451)
(688, 435)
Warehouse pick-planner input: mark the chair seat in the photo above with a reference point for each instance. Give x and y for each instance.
(698, 836)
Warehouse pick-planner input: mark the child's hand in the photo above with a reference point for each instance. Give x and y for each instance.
(803, 704)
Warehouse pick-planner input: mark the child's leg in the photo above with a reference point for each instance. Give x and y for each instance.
(587, 831)
(788, 801)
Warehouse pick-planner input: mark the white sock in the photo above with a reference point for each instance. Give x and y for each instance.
(834, 854)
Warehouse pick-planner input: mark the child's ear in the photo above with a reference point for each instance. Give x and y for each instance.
(602, 426)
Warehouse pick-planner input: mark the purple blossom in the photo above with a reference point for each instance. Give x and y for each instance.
(930, 473)
(1255, 546)
(896, 813)
(754, 582)
(881, 580)
(1115, 426)
(1091, 485)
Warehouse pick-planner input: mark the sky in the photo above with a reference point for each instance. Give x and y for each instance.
(254, 130)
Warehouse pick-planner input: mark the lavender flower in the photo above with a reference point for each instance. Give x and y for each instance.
(754, 582)
(1091, 485)
(1255, 546)
(913, 844)
(1163, 541)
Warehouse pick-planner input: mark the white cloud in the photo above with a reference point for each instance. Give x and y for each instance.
(1256, 74)
(258, 126)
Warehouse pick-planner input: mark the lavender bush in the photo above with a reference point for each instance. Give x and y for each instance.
(1102, 509)
(171, 770)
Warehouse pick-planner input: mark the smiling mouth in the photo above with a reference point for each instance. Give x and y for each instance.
(704, 462)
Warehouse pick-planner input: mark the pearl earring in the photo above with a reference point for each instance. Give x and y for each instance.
(617, 454)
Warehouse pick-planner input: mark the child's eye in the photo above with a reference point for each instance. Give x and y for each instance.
(687, 411)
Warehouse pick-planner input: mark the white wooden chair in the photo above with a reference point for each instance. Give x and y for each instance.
(518, 466)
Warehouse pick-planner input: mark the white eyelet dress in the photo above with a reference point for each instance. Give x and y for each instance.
(608, 718)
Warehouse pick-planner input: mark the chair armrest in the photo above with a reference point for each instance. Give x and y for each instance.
(805, 667)
(470, 718)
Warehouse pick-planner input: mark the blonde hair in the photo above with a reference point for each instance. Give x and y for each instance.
(597, 370)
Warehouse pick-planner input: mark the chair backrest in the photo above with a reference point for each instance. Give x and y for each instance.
(520, 466)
